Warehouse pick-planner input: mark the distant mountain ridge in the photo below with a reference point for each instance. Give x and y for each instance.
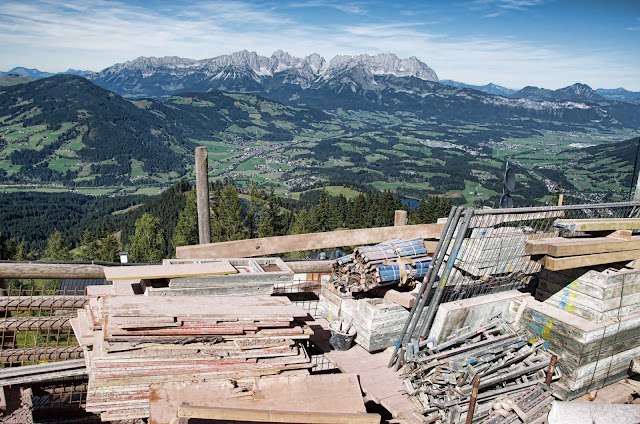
(246, 71)
(619, 94)
(490, 88)
(27, 72)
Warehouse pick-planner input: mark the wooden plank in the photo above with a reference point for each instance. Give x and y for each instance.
(168, 271)
(295, 243)
(328, 393)
(601, 224)
(569, 262)
(253, 415)
(559, 247)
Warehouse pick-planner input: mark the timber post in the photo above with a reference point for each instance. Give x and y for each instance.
(202, 194)
(400, 218)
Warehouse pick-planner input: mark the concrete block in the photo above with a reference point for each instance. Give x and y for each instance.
(472, 312)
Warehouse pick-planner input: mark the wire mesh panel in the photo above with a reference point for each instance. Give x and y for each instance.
(303, 293)
(36, 325)
(491, 257)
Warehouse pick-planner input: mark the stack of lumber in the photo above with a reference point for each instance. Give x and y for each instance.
(390, 262)
(131, 342)
(606, 242)
(334, 398)
(255, 276)
(195, 277)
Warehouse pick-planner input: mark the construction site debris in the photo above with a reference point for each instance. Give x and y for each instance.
(440, 377)
(131, 342)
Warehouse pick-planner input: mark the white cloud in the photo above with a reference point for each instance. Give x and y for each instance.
(54, 36)
(355, 8)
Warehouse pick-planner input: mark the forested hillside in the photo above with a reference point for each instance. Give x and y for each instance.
(77, 227)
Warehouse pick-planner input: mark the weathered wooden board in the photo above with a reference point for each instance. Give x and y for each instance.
(559, 246)
(168, 271)
(294, 243)
(256, 415)
(600, 224)
(297, 393)
(569, 262)
(246, 308)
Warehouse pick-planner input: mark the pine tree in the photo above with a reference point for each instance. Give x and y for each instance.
(386, 209)
(146, 243)
(302, 223)
(359, 212)
(256, 200)
(109, 249)
(88, 246)
(270, 223)
(57, 248)
(186, 232)
(227, 221)
(321, 214)
(419, 214)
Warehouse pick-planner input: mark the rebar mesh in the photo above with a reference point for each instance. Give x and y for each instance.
(36, 325)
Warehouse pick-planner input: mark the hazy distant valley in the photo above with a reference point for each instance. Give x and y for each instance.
(298, 123)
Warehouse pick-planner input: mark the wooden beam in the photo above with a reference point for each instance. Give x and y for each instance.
(261, 416)
(296, 243)
(570, 262)
(168, 271)
(600, 224)
(202, 194)
(559, 246)
(37, 270)
(310, 267)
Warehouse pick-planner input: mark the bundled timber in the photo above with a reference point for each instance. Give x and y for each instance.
(390, 262)
(131, 342)
(468, 373)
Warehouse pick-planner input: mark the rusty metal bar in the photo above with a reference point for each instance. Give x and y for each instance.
(551, 370)
(37, 354)
(34, 323)
(474, 398)
(26, 303)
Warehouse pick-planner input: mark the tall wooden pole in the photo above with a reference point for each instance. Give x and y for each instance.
(202, 194)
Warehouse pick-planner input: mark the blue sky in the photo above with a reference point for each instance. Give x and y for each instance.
(513, 43)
